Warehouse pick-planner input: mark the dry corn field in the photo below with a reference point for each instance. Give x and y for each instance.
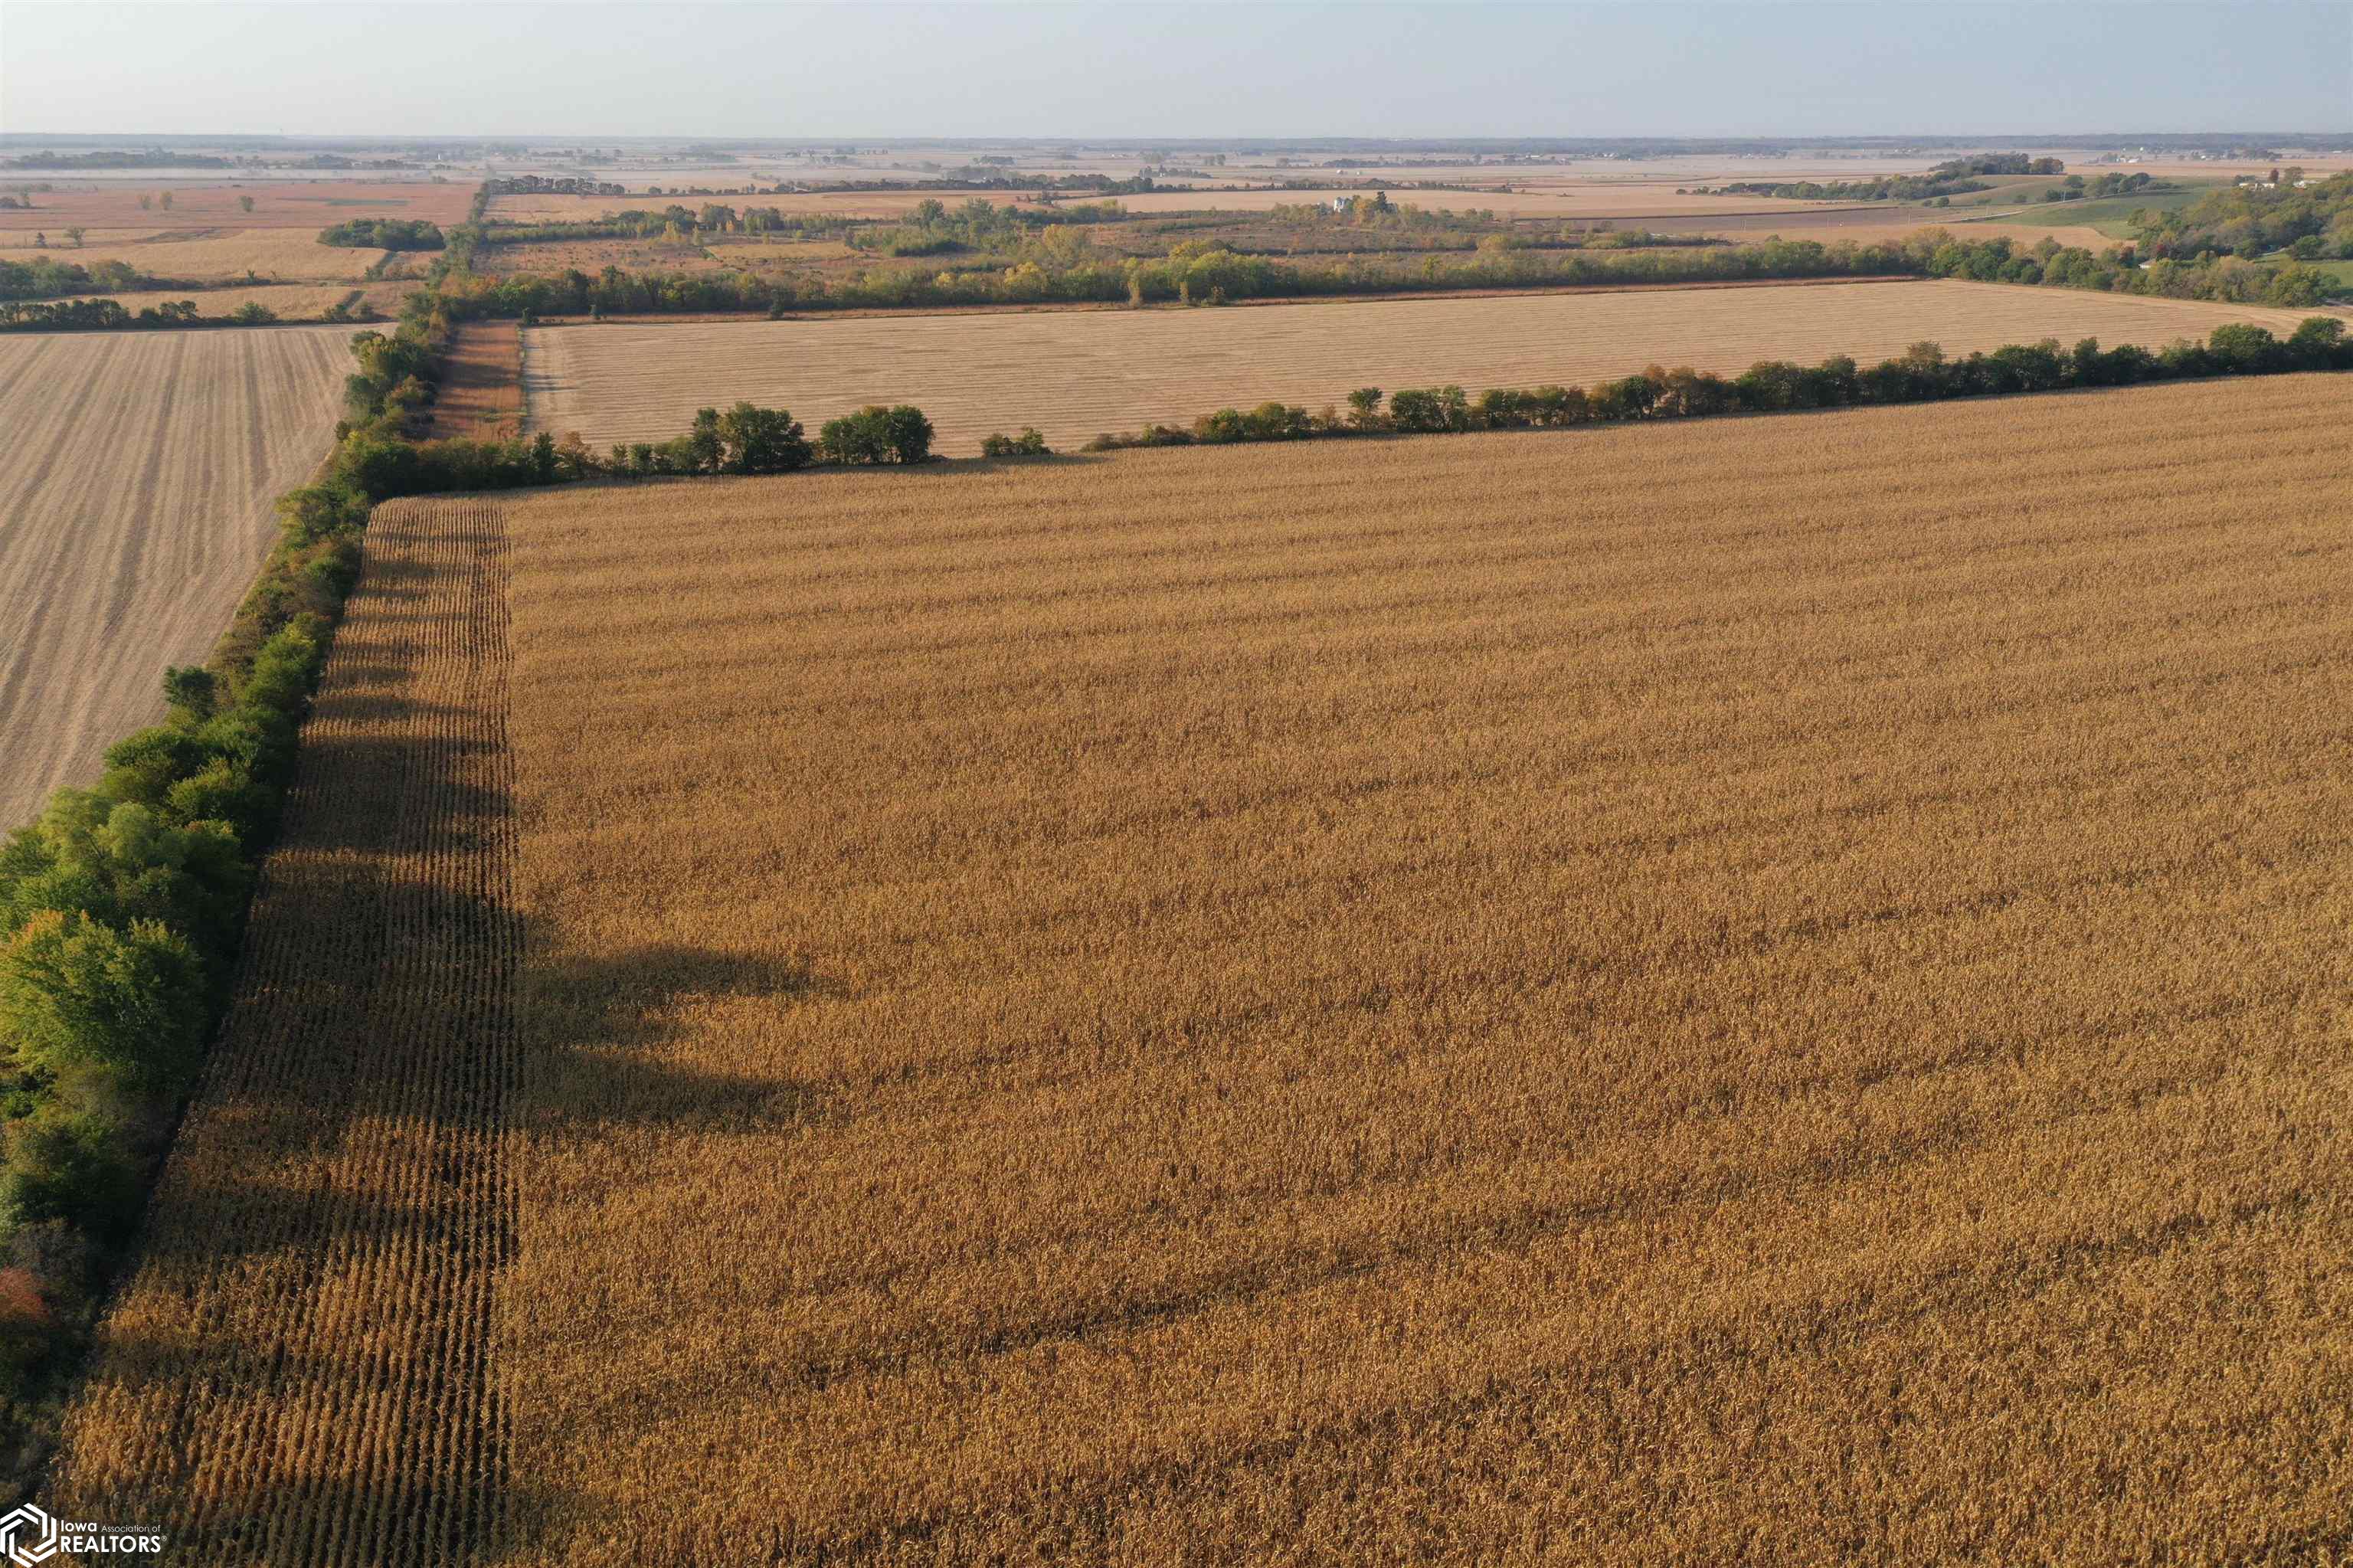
(1073, 374)
(299, 1372)
(1760, 990)
(135, 506)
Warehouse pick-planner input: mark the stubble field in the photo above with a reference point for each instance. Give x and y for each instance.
(1076, 374)
(1760, 990)
(283, 255)
(136, 502)
(310, 204)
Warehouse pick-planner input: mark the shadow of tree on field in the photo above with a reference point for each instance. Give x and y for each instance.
(599, 1028)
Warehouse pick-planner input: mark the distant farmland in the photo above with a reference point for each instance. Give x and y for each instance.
(135, 506)
(1765, 991)
(1073, 374)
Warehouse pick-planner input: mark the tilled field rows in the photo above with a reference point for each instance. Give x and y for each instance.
(1074, 374)
(135, 506)
(300, 1371)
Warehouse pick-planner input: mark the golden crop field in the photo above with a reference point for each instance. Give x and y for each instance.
(1754, 990)
(299, 1371)
(1073, 374)
(135, 506)
(286, 255)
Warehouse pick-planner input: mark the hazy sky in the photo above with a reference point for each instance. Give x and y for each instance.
(1439, 68)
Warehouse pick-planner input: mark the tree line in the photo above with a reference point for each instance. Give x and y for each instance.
(384, 234)
(1922, 374)
(48, 278)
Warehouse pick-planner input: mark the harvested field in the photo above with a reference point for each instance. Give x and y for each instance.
(843, 203)
(136, 504)
(593, 256)
(292, 301)
(1754, 991)
(1074, 374)
(200, 254)
(1866, 226)
(1653, 202)
(277, 203)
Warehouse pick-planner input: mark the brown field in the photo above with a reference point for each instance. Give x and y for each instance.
(201, 254)
(650, 254)
(137, 494)
(843, 203)
(1890, 222)
(481, 384)
(1653, 202)
(732, 251)
(277, 203)
(1764, 990)
(292, 301)
(1074, 374)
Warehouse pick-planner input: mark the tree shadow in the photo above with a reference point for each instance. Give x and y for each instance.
(599, 1029)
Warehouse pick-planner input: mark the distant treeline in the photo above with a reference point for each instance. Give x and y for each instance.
(384, 234)
(44, 278)
(1195, 272)
(547, 185)
(1192, 274)
(1921, 374)
(112, 315)
(1953, 177)
(152, 158)
(2310, 219)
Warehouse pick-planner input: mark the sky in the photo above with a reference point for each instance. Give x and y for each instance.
(1156, 69)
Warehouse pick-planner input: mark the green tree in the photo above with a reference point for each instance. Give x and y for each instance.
(81, 999)
(762, 441)
(188, 690)
(74, 232)
(705, 448)
(1364, 408)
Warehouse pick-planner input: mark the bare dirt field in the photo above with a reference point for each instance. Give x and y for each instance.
(133, 509)
(277, 203)
(1075, 373)
(1757, 990)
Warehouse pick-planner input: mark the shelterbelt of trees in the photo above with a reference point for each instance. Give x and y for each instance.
(1059, 266)
(384, 234)
(48, 277)
(1955, 176)
(1921, 374)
